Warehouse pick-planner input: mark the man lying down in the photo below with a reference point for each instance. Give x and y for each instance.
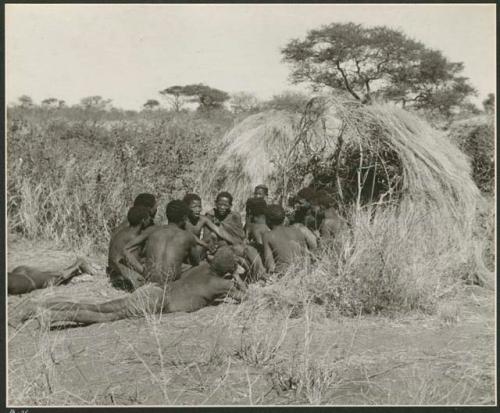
(196, 288)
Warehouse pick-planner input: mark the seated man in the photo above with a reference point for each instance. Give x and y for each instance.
(196, 223)
(255, 224)
(120, 274)
(24, 279)
(223, 217)
(333, 223)
(230, 222)
(166, 246)
(145, 200)
(197, 288)
(282, 244)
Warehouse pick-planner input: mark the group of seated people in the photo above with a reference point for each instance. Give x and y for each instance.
(193, 259)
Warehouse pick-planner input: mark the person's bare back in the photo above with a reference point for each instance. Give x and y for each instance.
(167, 247)
(120, 269)
(282, 244)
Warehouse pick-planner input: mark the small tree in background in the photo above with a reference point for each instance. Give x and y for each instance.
(50, 103)
(208, 98)
(61, 104)
(243, 102)
(95, 103)
(151, 104)
(175, 96)
(377, 61)
(25, 101)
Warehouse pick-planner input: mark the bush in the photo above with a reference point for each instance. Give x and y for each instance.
(476, 137)
(71, 179)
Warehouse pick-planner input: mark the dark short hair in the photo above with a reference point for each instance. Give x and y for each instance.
(225, 194)
(263, 187)
(188, 198)
(136, 214)
(307, 193)
(224, 261)
(256, 206)
(145, 199)
(275, 214)
(177, 210)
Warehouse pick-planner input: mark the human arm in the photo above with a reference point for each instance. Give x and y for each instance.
(311, 240)
(220, 232)
(268, 253)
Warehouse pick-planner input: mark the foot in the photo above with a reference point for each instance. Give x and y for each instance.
(85, 267)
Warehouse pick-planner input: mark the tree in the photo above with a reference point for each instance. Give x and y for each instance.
(175, 96)
(50, 102)
(243, 102)
(61, 104)
(489, 103)
(151, 104)
(25, 101)
(377, 61)
(208, 98)
(95, 103)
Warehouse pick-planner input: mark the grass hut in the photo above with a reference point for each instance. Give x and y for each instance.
(405, 187)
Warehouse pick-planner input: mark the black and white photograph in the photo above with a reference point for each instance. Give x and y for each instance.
(250, 205)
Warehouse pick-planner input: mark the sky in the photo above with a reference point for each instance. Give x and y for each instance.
(128, 53)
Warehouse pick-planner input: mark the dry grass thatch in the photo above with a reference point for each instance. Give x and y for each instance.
(269, 147)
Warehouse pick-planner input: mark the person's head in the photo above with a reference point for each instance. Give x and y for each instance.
(224, 261)
(177, 212)
(138, 216)
(261, 191)
(223, 204)
(148, 201)
(255, 207)
(305, 197)
(275, 215)
(193, 201)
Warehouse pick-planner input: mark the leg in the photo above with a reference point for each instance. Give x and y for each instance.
(148, 299)
(79, 267)
(135, 279)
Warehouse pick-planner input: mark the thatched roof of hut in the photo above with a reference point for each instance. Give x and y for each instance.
(414, 161)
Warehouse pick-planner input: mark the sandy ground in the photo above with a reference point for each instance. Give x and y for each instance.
(217, 357)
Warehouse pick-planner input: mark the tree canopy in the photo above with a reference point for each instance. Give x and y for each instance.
(377, 61)
(206, 96)
(151, 104)
(95, 103)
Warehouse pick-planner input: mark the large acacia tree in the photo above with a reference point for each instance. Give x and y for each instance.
(377, 61)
